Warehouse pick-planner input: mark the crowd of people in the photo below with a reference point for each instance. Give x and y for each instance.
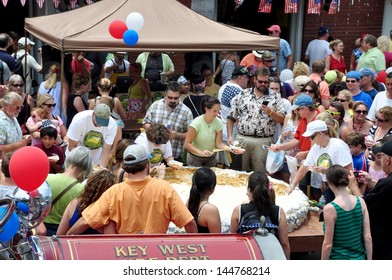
(333, 120)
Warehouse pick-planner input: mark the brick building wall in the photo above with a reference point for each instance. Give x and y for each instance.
(354, 18)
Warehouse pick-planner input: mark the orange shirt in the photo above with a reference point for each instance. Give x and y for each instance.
(146, 206)
(250, 59)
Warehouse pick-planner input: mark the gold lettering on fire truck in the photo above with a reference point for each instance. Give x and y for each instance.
(130, 251)
(169, 252)
(182, 249)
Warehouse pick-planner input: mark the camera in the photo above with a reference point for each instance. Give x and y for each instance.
(265, 103)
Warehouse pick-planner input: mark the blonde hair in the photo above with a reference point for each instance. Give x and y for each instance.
(334, 43)
(53, 76)
(300, 69)
(104, 84)
(384, 43)
(387, 112)
(347, 95)
(332, 124)
(43, 98)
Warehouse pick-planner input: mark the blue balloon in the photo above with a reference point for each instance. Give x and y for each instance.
(11, 226)
(130, 37)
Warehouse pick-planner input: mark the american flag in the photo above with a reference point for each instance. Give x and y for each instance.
(333, 6)
(265, 6)
(73, 3)
(314, 6)
(89, 2)
(5, 2)
(56, 3)
(23, 2)
(40, 3)
(291, 6)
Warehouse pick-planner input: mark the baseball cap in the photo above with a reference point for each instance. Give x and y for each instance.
(353, 74)
(366, 72)
(23, 40)
(389, 70)
(315, 126)
(240, 70)
(139, 152)
(302, 100)
(268, 56)
(385, 148)
(102, 114)
(323, 30)
(330, 76)
(274, 27)
(258, 53)
(182, 80)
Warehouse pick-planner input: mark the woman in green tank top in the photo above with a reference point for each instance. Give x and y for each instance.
(346, 221)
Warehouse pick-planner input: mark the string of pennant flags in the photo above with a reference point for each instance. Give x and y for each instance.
(265, 6)
(55, 2)
(291, 6)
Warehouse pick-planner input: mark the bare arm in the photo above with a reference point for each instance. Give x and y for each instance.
(329, 220)
(352, 61)
(64, 223)
(191, 227)
(78, 104)
(289, 62)
(79, 227)
(229, 126)
(367, 236)
(298, 177)
(120, 109)
(212, 217)
(147, 92)
(327, 63)
(103, 162)
(72, 144)
(234, 219)
(283, 233)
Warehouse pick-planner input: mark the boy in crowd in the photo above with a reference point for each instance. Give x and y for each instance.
(55, 154)
(356, 142)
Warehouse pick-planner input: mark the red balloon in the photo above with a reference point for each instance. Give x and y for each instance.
(117, 29)
(29, 167)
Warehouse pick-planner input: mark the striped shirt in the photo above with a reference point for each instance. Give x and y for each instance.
(347, 240)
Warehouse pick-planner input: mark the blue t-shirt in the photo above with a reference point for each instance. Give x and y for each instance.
(372, 93)
(364, 97)
(360, 162)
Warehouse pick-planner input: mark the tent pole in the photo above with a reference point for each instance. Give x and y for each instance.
(61, 85)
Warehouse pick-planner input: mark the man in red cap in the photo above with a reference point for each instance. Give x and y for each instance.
(286, 58)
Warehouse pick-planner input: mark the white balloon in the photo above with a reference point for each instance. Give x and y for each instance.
(135, 21)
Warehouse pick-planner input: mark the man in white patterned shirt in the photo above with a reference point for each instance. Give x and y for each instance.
(176, 116)
(257, 111)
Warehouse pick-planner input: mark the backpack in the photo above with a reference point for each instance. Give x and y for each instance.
(251, 220)
(19, 66)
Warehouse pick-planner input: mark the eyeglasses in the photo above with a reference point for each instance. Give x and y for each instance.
(16, 107)
(262, 82)
(340, 100)
(333, 113)
(50, 105)
(380, 120)
(308, 91)
(172, 98)
(361, 112)
(351, 81)
(17, 85)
